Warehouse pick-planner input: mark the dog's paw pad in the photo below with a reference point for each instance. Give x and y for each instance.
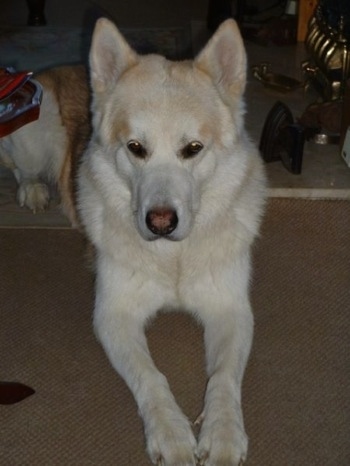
(34, 195)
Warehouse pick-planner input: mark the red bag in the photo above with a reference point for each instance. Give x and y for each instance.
(20, 99)
(10, 81)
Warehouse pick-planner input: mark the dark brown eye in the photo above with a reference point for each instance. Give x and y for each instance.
(137, 149)
(191, 149)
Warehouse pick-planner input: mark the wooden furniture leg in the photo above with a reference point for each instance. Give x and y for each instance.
(305, 11)
(36, 15)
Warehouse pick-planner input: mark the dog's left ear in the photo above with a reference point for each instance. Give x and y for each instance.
(110, 56)
(224, 59)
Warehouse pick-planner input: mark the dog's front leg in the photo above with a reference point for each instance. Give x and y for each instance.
(32, 192)
(228, 337)
(119, 322)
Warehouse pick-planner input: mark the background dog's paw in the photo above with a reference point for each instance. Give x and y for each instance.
(172, 443)
(33, 194)
(222, 442)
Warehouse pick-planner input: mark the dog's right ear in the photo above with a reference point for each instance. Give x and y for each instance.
(110, 56)
(224, 59)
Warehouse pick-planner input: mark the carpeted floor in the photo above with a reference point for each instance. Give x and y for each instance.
(296, 389)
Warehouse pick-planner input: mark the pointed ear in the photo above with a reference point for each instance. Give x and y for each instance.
(224, 59)
(110, 55)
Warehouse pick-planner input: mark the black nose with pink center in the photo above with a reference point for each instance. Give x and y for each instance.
(161, 221)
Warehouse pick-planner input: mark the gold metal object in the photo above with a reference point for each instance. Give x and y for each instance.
(329, 65)
(279, 82)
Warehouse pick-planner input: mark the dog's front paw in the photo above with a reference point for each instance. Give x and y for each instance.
(222, 441)
(34, 195)
(170, 442)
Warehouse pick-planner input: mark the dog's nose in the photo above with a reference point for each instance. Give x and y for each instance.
(161, 220)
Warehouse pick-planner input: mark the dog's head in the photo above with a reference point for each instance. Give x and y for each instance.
(163, 127)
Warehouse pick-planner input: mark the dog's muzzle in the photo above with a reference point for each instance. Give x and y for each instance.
(162, 221)
(164, 202)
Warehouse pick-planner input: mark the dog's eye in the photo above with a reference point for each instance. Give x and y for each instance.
(191, 149)
(137, 149)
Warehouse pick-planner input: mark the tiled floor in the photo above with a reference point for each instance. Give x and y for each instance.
(324, 173)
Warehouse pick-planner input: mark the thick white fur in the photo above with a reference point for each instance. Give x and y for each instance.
(35, 154)
(203, 266)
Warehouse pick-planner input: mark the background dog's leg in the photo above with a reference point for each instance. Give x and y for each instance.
(32, 192)
(228, 337)
(169, 436)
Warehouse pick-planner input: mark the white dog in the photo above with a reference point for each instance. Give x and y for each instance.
(171, 193)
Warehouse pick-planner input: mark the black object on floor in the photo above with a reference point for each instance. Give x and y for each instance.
(13, 392)
(282, 138)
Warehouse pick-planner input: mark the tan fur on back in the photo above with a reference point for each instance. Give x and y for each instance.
(69, 84)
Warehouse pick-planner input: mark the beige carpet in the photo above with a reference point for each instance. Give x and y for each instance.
(296, 389)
